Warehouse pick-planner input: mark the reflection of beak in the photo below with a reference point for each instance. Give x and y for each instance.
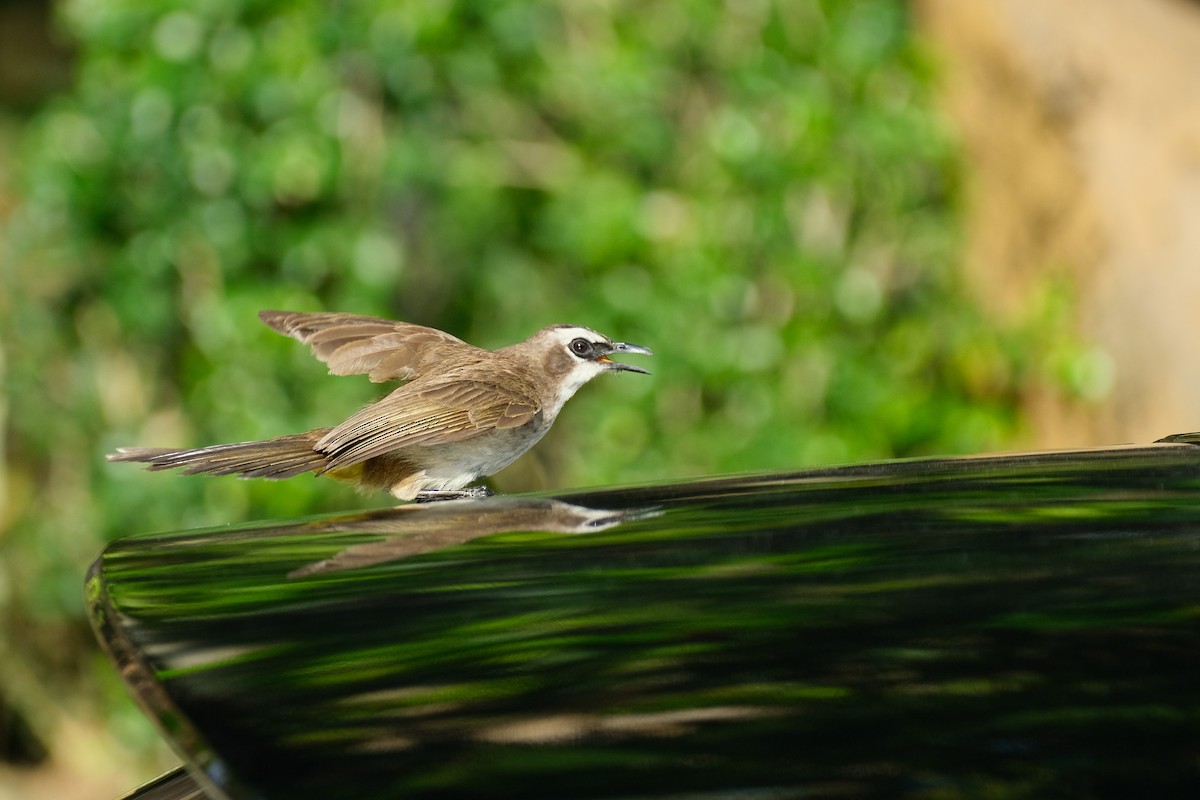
(625, 347)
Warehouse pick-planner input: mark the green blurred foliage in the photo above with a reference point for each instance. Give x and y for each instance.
(758, 190)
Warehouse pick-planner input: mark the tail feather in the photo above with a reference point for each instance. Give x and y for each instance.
(284, 457)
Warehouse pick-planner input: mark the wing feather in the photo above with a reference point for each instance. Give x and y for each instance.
(448, 409)
(381, 349)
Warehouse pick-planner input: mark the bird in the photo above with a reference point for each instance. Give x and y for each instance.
(462, 412)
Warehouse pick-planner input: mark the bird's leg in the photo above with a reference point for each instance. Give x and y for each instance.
(434, 495)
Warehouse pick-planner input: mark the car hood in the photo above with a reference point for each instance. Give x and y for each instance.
(1024, 623)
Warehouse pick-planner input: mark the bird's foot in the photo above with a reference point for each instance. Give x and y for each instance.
(435, 495)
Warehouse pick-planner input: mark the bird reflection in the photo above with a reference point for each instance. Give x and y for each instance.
(413, 530)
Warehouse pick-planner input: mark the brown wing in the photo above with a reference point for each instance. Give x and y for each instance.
(355, 345)
(444, 410)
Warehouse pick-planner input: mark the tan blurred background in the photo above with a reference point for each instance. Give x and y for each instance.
(1080, 122)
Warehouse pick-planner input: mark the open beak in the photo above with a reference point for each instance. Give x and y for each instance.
(625, 347)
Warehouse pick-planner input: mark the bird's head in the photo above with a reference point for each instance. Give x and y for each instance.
(571, 355)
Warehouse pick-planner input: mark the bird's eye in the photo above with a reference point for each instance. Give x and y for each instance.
(581, 347)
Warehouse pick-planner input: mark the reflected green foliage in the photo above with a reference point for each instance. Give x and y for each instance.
(759, 191)
(884, 630)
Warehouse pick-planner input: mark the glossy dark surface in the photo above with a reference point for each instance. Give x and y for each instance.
(1023, 626)
(178, 784)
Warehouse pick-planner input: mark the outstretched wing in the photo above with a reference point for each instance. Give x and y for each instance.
(444, 410)
(352, 344)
